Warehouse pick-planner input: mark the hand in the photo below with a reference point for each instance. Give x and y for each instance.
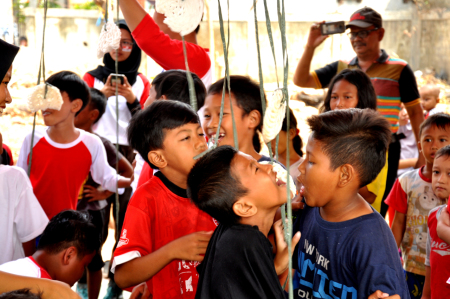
(315, 37)
(282, 257)
(141, 292)
(296, 202)
(94, 194)
(444, 218)
(52, 289)
(108, 90)
(191, 247)
(379, 294)
(404, 118)
(126, 91)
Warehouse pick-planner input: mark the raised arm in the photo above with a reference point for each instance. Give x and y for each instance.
(133, 13)
(302, 75)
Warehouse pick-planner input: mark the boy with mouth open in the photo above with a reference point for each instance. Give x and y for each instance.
(346, 249)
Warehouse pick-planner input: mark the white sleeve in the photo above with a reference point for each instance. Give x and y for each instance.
(101, 172)
(29, 218)
(427, 259)
(22, 161)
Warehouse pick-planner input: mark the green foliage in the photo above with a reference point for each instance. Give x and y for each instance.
(18, 5)
(86, 5)
(51, 4)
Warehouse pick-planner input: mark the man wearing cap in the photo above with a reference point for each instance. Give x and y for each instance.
(392, 78)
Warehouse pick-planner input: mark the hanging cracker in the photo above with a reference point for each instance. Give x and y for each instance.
(109, 39)
(182, 16)
(44, 96)
(282, 175)
(274, 116)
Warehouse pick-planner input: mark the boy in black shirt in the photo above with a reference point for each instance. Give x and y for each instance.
(243, 196)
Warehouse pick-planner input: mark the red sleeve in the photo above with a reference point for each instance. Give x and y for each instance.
(167, 52)
(89, 79)
(8, 150)
(146, 92)
(397, 198)
(146, 174)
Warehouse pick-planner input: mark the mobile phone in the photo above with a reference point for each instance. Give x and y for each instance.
(332, 27)
(117, 79)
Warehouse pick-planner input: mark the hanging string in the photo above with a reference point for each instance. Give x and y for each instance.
(192, 96)
(269, 32)
(117, 131)
(40, 73)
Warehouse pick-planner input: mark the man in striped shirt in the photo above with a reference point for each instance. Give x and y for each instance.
(392, 78)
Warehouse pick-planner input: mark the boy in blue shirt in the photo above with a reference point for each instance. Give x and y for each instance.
(346, 249)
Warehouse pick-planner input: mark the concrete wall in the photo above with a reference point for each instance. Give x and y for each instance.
(420, 38)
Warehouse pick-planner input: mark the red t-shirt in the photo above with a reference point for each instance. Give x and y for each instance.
(158, 213)
(146, 175)
(9, 153)
(438, 253)
(59, 170)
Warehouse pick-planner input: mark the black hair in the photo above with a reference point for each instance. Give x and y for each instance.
(359, 137)
(297, 142)
(440, 120)
(248, 98)
(23, 39)
(21, 294)
(70, 228)
(174, 85)
(73, 85)
(98, 101)
(146, 130)
(212, 186)
(367, 98)
(443, 152)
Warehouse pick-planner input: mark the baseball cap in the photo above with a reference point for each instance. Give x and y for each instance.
(364, 18)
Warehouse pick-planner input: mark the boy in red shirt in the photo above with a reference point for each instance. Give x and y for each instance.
(164, 235)
(438, 248)
(63, 155)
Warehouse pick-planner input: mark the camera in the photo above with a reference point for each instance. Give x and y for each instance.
(332, 27)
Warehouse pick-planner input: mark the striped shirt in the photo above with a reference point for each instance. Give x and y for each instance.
(392, 78)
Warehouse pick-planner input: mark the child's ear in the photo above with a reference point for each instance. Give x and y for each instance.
(69, 254)
(93, 114)
(157, 158)
(292, 133)
(437, 100)
(76, 105)
(419, 146)
(254, 118)
(346, 175)
(244, 208)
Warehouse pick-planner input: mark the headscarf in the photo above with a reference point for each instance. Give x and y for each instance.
(7, 54)
(128, 67)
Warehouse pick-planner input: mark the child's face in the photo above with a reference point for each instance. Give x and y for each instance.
(84, 118)
(316, 175)
(431, 140)
(260, 180)
(73, 271)
(344, 95)
(211, 116)
(181, 145)
(428, 99)
(440, 180)
(5, 97)
(68, 109)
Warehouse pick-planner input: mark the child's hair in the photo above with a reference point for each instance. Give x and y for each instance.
(21, 294)
(98, 101)
(359, 137)
(443, 152)
(70, 228)
(147, 128)
(297, 141)
(212, 186)
(72, 84)
(367, 98)
(174, 85)
(248, 98)
(440, 120)
(434, 89)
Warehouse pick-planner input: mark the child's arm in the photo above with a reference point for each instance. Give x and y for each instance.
(191, 247)
(406, 163)
(398, 227)
(426, 293)
(443, 226)
(282, 257)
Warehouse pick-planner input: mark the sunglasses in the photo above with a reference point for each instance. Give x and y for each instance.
(362, 34)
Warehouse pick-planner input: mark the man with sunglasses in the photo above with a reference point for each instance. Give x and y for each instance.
(392, 78)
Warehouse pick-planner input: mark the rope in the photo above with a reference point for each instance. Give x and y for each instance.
(192, 95)
(117, 132)
(40, 73)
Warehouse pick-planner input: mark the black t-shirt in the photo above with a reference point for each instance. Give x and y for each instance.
(238, 264)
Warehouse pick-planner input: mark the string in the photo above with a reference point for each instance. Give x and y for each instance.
(40, 73)
(192, 95)
(117, 135)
